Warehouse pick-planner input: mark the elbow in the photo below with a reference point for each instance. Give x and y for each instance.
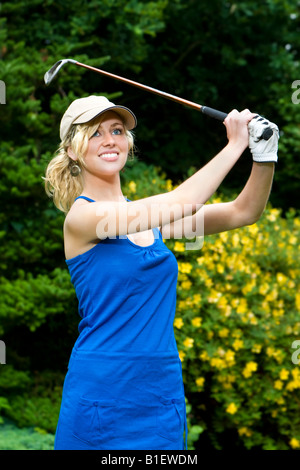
(253, 218)
(249, 215)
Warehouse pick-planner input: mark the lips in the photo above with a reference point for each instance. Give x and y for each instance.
(109, 157)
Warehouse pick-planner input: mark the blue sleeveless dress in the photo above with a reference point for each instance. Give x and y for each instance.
(124, 389)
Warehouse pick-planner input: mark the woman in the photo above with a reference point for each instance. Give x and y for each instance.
(124, 389)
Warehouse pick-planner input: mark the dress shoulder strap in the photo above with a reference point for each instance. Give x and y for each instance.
(84, 197)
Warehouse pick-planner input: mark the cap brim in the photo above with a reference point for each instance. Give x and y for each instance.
(127, 116)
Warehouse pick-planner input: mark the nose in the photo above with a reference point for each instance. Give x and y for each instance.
(108, 139)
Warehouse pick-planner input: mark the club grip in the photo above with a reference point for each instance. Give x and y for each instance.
(214, 113)
(220, 116)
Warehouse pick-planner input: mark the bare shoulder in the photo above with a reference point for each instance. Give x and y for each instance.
(77, 219)
(79, 229)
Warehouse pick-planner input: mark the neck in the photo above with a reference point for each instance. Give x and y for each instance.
(107, 188)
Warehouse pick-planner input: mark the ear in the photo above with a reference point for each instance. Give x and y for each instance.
(71, 154)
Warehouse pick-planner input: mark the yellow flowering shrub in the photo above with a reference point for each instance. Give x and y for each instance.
(238, 314)
(239, 301)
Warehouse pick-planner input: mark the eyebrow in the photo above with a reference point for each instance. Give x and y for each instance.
(117, 123)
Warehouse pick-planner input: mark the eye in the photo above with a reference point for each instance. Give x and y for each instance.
(117, 131)
(96, 134)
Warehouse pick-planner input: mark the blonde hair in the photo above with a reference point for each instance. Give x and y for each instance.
(60, 184)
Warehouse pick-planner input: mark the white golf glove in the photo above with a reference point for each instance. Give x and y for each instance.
(263, 150)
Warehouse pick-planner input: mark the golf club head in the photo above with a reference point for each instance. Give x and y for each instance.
(48, 77)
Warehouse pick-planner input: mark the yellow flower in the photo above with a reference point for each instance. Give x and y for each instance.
(278, 355)
(181, 355)
(188, 342)
(186, 285)
(297, 300)
(185, 267)
(178, 323)
(272, 295)
(197, 299)
(295, 443)
(283, 374)
(256, 348)
(208, 282)
(210, 334)
(220, 268)
(229, 357)
(249, 368)
(231, 378)
(296, 374)
(204, 356)
(132, 186)
(179, 246)
(244, 431)
(249, 286)
(235, 239)
(278, 384)
(263, 289)
(224, 333)
(232, 408)
(214, 296)
(218, 363)
(270, 351)
(242, 308)
(281, 278)
(197, 322)
(200, 381)
(293, 385)
(271, 217)
(238, 344)
(252, 318)
(253, 229)
(169, 185)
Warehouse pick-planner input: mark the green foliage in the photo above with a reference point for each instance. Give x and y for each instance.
(30, 300)
(237, 317)
(223, 54)
(13, 438)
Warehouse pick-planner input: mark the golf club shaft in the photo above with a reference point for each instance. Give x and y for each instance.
(204, 109)
(214, 113)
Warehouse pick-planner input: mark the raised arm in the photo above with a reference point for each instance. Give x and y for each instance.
(107, 219)
(248, 207)
(203, 184)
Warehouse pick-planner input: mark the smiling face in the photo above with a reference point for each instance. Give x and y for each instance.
(101, 146)
(108, 147)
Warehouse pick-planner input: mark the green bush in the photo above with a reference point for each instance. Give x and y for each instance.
(237, 317)
(13, 438)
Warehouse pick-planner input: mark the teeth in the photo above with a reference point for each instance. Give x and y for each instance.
(109, 156)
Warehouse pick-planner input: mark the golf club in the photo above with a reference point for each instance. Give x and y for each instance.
(219, 115)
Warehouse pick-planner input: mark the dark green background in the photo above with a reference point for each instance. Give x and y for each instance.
(222, 54)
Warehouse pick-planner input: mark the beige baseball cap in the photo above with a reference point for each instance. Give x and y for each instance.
(84, 110)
